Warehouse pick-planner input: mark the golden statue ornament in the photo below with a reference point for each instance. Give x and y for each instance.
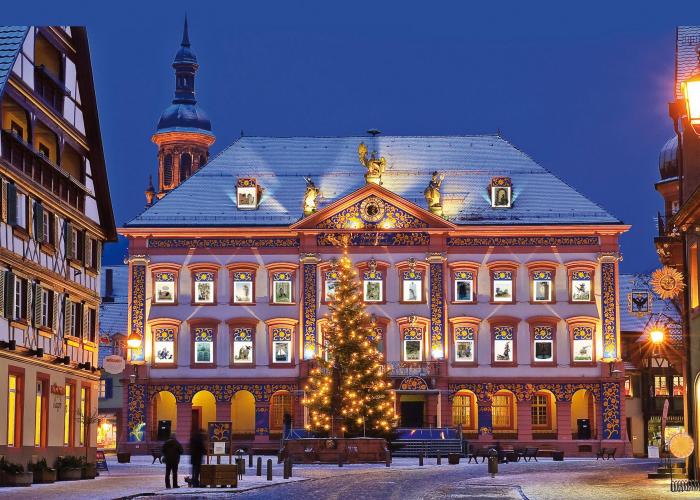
(432, 193)
(375, 166)
(667, 282)
(310, 197)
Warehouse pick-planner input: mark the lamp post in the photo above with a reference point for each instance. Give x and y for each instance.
(134, 342)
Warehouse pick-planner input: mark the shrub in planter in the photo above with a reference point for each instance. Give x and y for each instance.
(69, 468)
(124, 457)
(14, 474)
(89, 471)
(42, 472)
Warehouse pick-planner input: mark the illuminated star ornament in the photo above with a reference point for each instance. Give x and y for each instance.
(667, 282)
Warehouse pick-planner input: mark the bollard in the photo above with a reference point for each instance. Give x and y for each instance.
(285, 471)
(439, 459)
(258, 469)
(388, 459)
(493, 462)
(420, 460)
(269, 469)
(250, 459)
(291, 463)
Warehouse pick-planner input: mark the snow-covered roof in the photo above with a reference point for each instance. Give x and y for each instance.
(113, 310)
(687, 39)
(662, 311)
(280, 165)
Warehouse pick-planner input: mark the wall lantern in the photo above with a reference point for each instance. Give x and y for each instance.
(691, 95)
(133, 341)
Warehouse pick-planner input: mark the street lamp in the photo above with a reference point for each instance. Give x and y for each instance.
(657, 336)
(691, 95)
(133, 341)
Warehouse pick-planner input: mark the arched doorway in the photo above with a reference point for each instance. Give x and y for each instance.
(583, 424)
(243, 414)
(203, 410)
(280, 403)
(165, 411)
(464, 410)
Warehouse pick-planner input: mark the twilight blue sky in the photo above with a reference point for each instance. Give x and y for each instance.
(581, 87)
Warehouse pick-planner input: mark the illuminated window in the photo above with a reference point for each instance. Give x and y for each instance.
(582, 346)
(542, 284)
(464, 286)
(581, 286)
(540, 410)
(282, 288)
(83, 414)
(543, 348)
(378, 337)
(203, 346)
(243, 286)
(242, 345)
(628, 387)
(678, 387)
(465, 349)
(330, 282)
(67, 420)
(501, 192)
(164, 289)
(14, 408)
(693, 258)
(660, 385)
(502, 411)
(373, 286)
(40, 409)
(462, 410)
(102, 389)
(502, 286)
(246, 194)
(281, 345)
(411, 281)
(412, 343)
(503, 344)
(204, 286)
(280, 405)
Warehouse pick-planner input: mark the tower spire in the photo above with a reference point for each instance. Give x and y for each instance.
(185, 35)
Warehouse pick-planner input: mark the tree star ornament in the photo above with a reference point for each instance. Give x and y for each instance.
(667, 282)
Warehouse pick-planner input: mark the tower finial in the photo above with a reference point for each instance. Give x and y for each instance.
(185, 35)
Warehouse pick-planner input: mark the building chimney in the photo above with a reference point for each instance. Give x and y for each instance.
(109, 283)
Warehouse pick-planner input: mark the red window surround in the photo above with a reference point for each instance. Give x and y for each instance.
(239, 270)
(507, 267)
(499, 326)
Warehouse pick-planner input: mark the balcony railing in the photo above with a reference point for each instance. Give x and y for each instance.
(50, 88)
(37, 167)
(413, 369)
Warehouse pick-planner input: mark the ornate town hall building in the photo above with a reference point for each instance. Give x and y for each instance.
(493, 283)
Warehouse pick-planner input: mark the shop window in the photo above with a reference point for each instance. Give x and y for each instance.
(243, 287)
(280, 405)
(164, 346)
(583, 347)
(282, 288)
(693, 264)
(164, 286)
(543, 344)
(247, 194)
(678, 386)
(465, 346)
(204, 284)
(501, 192)
(84, 407)
(540, 411)
(68, 421)
(203, 346)
(542, 286)
(281, 345)
(660, 386)
(14, 410)
(502, 411)
(581, 286)
(242, 353)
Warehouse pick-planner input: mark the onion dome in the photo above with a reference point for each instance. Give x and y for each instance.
(668, 159)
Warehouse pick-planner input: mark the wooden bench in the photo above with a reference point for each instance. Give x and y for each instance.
(507, 454)
(529, 453)
(157, 454)
(606, 453)
(482, 453)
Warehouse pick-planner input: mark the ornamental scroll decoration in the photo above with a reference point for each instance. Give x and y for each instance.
(667, 282)
(372, 213)
(413, 384)
(524, 392)
(611, 410)
(309, 315)
(222, 392)
(138, 310)
(437, 310)
(609, 303)
(136, 419)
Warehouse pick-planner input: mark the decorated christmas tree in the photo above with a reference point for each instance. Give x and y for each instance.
(349, 390)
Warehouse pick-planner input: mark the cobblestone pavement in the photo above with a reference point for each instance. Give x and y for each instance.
(571, 480)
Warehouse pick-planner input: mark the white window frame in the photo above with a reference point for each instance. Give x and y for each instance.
(238, 283)
(551, 351)
(211, 352)
(534, 290)
(590, 289)
(275, 343)
(170, 284)
(467, 342)
(420, 350)
(493, 196)
(275, 283)
(22, 210)
(46, 305)
(19, 292)
(245, 190)
(494, 284)
(471, 289)
(365, 284)
(419, 288)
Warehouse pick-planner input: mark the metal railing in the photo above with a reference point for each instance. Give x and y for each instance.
(409, 369)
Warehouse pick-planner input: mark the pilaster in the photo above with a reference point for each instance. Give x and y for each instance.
(309, 276)
(438, 311)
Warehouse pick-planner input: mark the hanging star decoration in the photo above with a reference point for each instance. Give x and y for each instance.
(667, 282)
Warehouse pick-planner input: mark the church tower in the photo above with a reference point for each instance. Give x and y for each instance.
(184, 132)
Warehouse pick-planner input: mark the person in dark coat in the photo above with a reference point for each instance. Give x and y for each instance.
(197, 450)
(287, 421)
(172, 449)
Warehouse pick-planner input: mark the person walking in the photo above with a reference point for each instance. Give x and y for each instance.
(197, 450)
(172, 449)
(287, 422)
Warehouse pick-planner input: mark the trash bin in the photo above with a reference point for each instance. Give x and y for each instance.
(453, 458)
(558, 456)
(493, 462)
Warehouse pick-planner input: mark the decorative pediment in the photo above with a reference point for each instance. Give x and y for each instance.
(373, 208)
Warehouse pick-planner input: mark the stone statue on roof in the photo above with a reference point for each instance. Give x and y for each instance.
(432, 193)
(375, 166)
(310, 196)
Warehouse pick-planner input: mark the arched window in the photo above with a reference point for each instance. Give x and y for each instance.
(463, 410)
(168, 170)
(280, 403)
(502, 411)
(185, 166)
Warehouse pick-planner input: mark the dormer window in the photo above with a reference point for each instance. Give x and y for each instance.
(247, 193)
(501, 192)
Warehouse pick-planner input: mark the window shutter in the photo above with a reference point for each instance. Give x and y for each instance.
(38, 298)
(4, 201)
(87, 250)
(9, 294)
(67, 316)
(86, 322)
(28, 300)
(98, 255)
(2, 293)
(68, 236)
(11, 204)
(108, 388)
(54, 319)
(39, 222)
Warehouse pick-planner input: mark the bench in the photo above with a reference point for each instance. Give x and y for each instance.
(606, 453)
(507, 454)
(529, 453)
(482, 453)
(157, 454)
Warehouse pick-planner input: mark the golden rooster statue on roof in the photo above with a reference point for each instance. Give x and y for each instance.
(375, 166)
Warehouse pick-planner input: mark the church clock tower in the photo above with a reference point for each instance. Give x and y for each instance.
(184, 132)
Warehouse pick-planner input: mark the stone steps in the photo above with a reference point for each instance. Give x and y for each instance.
(427, 447)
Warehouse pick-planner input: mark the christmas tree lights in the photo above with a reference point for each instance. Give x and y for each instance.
(349, 390)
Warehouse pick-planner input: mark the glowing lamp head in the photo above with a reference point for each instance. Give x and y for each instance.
(657, 336)
(133, 341)
(691, 94)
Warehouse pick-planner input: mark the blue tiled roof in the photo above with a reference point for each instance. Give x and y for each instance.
(280, 164)
(661, 310)
(11, 39)
(113, 315)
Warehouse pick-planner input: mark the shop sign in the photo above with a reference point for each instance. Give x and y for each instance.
(113, 364)
(59, 390)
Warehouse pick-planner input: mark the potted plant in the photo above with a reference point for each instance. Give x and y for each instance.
(14, 474)
(88, 470)
(69, 468)
(42, 472)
